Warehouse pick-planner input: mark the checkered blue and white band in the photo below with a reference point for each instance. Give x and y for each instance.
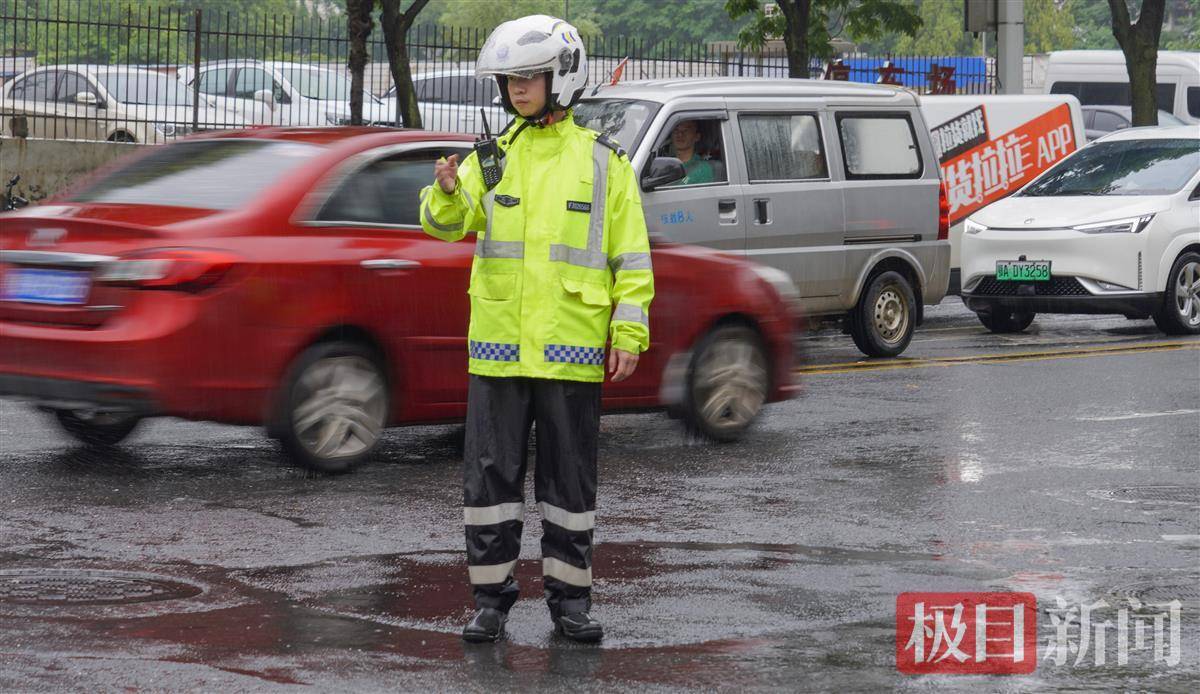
(569, 354)
(494, 351)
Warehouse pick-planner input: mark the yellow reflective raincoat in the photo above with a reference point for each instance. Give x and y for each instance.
(562, 259)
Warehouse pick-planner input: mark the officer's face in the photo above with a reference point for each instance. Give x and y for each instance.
(528, 95)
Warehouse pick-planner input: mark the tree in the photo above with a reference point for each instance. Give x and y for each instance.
(358, 25)
(941, 32)
(1139, 43)
(396, 24)
(1049, 25)
(808, 26)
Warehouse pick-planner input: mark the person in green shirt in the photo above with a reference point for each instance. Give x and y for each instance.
(684, 138)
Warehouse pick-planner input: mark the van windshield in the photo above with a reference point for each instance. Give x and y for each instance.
(1123, 167)
(624, 120)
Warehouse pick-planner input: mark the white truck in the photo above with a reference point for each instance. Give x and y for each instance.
(990, 145)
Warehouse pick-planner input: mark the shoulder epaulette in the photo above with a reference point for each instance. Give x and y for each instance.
(610, 143)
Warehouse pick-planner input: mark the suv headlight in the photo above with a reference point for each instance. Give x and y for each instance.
(970, 227)
(1131, 225)
(165, 129)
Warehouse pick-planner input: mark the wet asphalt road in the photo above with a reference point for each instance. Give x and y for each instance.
(1064, 462)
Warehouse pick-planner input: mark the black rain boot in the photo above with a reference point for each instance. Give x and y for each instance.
(579, 626)
(487, 626)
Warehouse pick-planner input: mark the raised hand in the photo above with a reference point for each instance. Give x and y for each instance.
(446, 172)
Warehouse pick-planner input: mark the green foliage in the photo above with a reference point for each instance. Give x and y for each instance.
(853, 19)
(144, 31)
(1049, 25)
(487, 15)
(941, 32)
(660, 21)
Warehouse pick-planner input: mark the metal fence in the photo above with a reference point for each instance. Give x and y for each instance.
(106, 71)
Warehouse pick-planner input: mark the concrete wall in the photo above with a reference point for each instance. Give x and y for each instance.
(48, 166)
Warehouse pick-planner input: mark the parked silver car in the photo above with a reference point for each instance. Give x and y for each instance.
(835, 184)
(100, 102)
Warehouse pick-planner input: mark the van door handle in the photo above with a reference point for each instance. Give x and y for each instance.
(762, 211)
(390, 264)
(727, 211)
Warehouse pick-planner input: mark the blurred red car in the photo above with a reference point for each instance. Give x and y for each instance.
(280, 277)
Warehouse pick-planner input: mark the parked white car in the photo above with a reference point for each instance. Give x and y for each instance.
(450, 100)
(1112, 229)
(282, 93)
(96, 102)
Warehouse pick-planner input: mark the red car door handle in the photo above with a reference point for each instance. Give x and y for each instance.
(389, 264)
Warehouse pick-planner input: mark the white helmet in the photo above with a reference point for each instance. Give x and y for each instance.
(531, 45)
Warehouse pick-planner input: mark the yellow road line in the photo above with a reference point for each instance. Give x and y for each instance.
(1077, 353)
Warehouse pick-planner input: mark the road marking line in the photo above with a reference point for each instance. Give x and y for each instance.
(1137, 415)
(1000, 358)
(1181, 538)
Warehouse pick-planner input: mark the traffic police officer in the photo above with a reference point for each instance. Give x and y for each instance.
(562, 266)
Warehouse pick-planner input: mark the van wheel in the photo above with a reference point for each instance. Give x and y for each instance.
(1179, 313)
(883, 321)
(121, 136)
(727, 383)
(335, 406)
(97, 428)
(1002, 321)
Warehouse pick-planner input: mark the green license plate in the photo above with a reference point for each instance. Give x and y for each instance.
(1023, 270)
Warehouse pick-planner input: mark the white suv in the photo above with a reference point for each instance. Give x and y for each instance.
(1112, 229)
(282, 93)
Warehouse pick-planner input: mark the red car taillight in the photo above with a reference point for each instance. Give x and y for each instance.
(183, 269)
(943, 213)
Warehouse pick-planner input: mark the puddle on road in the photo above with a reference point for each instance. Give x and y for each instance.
(272, 623)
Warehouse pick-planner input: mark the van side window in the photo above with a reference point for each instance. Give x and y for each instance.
(1113, 93)
(782, 147)
(698, 144)
(879, 146)
(1193, 101)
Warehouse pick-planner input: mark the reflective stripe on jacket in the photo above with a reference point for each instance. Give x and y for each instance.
(562, 259)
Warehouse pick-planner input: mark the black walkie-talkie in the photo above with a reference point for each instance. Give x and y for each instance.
(487, 151)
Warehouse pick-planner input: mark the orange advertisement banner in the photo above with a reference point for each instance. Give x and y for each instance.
(993, 169)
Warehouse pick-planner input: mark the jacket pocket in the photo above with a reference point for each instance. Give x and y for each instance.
(583, 315)
(495, 286)
(590, 293)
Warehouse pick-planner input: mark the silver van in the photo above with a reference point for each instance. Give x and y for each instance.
(835, 184)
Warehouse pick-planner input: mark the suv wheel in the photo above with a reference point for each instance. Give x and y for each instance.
(883, 321)
(97, 428)
(1001, 321)
(727, 383)
(1179, 313)
(335, 406)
